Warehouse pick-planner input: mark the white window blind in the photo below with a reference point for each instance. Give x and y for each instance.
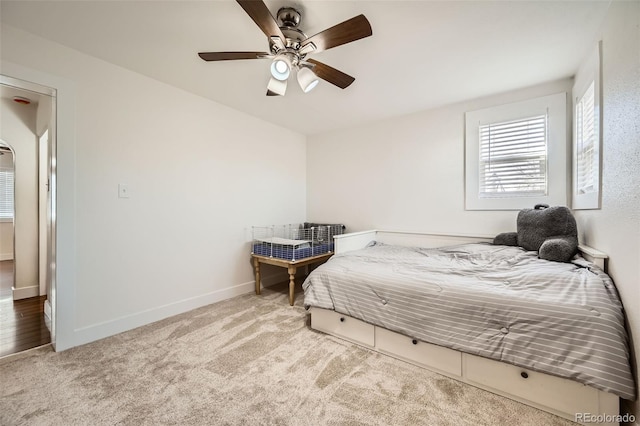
(516, 154)
(513, 158)
(6, 193)
(586, 158)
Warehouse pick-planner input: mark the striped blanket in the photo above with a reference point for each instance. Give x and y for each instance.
(499, 302)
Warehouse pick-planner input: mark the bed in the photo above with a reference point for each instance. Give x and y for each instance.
(548, 334)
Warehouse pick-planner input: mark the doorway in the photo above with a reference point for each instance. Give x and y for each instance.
(27, 145)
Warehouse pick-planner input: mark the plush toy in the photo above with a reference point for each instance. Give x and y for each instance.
(551, 231)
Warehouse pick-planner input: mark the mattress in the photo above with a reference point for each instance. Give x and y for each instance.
(499, 302)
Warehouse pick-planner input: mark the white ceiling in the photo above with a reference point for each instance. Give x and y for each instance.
(423, 54)
(7, 92)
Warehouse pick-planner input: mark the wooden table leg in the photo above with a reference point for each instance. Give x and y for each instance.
(292, 284)
(256, 265)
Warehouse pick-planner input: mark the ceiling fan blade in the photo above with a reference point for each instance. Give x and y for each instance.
(229, 56)
(345, 32)
(260, 14)
(330, 74)
(276, 87)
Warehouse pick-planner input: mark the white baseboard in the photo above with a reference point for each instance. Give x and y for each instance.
(272, 279)
(47, 309)
(129, 322)
(6, 256)
(47, 320)
(280, 275)
(26, 292)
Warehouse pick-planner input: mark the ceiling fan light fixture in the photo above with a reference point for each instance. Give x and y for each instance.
(307, 79)
(276, 87)
(281, 67)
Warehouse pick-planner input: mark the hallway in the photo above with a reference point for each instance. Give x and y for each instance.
(22, 322)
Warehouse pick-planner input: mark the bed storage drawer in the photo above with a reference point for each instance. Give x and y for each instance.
(433, 357)
(549, 391)
(342, 326)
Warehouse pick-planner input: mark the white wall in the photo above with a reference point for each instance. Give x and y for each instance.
(43, 115)
(408, 173)
(405, 173)
(615, 228)
(6, 241)
(199, 175)
(18, 130)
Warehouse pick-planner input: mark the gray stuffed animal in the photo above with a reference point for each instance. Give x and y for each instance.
(551, 231)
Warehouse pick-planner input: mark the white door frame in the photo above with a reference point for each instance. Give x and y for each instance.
(49, 232)
(44, 212)
(63, 192)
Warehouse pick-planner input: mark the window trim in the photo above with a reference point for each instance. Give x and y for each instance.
(588, 73)
(555, 107)
(10, 170)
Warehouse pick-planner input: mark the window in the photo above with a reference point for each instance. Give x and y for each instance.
(586, 178)
(513, 158)
(586, 134)
(6, 193)
(516, 155)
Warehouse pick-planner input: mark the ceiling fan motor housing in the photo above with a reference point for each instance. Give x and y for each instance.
(288, 21)
(288, 17)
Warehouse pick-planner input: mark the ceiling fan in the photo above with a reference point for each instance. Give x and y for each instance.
(289, 47)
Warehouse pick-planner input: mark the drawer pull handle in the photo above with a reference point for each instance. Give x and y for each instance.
(524, 375)
(414, 341)
(341, 319)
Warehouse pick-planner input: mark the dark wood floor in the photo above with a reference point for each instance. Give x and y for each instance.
(22, 322)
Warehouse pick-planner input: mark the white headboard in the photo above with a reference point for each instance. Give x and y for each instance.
(595, 256)
(358, 240)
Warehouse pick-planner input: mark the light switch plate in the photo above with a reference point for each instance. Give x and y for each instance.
(123, 190)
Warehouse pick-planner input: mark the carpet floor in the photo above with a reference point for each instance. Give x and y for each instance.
(250, 360)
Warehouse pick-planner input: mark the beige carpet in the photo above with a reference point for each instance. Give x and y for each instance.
(251, 360)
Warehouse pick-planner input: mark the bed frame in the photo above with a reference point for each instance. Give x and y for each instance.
(562, 397)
